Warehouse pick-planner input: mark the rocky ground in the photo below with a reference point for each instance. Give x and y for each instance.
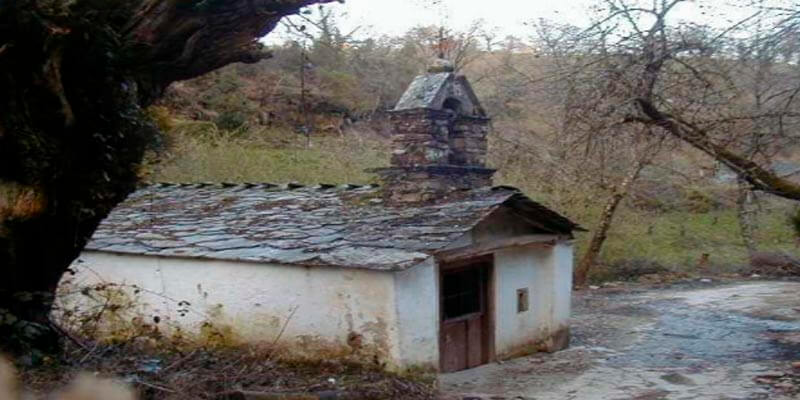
(696, 340)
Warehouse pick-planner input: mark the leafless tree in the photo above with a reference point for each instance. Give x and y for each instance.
(684, 82)
(728, 92)
(602, 155)
(459, 47)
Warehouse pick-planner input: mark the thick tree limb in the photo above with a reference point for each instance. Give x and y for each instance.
(760, 178)
(177, 40)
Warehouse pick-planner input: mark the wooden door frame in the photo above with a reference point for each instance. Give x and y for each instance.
(488, 327)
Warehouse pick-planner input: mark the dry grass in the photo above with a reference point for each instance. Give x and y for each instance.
(208, 374)
(271, 156)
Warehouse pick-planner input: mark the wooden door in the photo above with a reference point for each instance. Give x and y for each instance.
(465, 332)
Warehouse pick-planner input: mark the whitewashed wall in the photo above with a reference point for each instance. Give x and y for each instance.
(547, 274)
(563, 254)
(417, 291)
(324, 305)
(534, 269)
(522, 269)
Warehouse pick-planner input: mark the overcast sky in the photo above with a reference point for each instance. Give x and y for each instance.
(395, 17)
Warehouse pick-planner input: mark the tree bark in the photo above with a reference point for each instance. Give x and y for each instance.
(74, 77)
(606, 218)
(744, 213)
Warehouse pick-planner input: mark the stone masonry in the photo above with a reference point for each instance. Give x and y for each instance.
(439, 141)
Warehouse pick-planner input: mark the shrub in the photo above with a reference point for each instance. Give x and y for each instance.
(230, 120)
(119, 314)
(700, 202)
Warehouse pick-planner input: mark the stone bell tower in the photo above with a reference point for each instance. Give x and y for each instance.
(439, 139)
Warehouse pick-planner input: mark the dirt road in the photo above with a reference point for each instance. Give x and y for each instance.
(686, 342)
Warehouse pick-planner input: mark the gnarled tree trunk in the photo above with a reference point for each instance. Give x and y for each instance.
(606, 218)
(74, 76)
(745, 213)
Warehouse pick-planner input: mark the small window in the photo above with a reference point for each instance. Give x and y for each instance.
(522, 300)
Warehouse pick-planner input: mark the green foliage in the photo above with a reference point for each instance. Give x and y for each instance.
(345, 89)
(230, 120)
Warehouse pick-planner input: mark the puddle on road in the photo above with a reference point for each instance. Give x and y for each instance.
(693, 337)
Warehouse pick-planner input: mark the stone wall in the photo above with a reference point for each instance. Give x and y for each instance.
(438, 137)
(468, 144)
(420, 137)
(427, 183)
(434, 153)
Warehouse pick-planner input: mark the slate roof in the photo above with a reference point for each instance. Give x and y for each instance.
(429, 91)
(423, 91)
(346, 226)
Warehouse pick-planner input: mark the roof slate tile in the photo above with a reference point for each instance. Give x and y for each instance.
(344, 226)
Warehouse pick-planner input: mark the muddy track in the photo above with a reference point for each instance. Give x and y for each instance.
(685, 342)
